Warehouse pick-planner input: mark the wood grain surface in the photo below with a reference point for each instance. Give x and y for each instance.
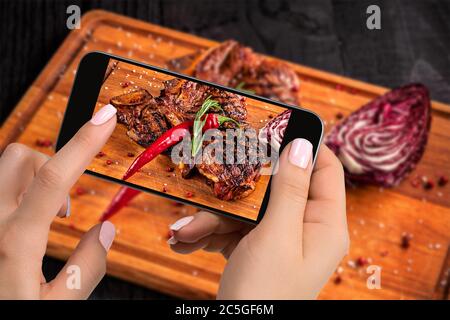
(377, 217)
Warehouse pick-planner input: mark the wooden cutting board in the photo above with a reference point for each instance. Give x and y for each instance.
(377, 217)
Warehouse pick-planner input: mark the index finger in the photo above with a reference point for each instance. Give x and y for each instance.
(55, 178)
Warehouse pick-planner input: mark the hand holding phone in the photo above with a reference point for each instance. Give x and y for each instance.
(298, 244)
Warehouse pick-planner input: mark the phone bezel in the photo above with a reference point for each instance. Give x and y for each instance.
(85, 91)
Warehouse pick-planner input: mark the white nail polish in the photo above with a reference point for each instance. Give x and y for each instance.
(181, 223)
(103, 115)
(107, 234)
(300, 153)
(172, 241)
(68, 207)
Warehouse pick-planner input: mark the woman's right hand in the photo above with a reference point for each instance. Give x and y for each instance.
(298, 244)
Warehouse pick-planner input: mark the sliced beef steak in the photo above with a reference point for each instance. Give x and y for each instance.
(231, 64)
(226, 63)
(274, 80)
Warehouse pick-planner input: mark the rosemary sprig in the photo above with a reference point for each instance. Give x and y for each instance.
(223, 119)
(240, 87)
(206, 105)
(197, 138)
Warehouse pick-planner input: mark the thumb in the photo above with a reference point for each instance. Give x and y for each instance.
(289, 193)
(85, 268)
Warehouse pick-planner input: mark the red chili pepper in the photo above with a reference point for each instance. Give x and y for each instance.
(214, 121)
(165, 141)
(120, 200)
(44, 143)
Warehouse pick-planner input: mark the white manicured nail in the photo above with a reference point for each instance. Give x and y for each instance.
(300, 153)
(68, 207)
(107, 233)
(172, 241)
(181, 223)
(103, 115)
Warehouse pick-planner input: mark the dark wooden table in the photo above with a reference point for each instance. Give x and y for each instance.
(413, 45)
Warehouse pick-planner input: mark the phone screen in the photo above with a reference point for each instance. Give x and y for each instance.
(202, 144)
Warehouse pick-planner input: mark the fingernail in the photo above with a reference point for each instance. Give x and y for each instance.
(68, 207)
(107, 233)
(181, 223)
(300, 153)
(103, 115)
(172, 241)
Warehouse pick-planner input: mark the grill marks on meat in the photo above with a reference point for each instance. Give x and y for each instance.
(181, 100)
(230, 64)
(226, 63)
(274, 80)
(139, 112)
(148, 127)
(130, 105)
(229, 181)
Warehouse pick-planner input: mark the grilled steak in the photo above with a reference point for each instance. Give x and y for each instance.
(229, 181)
(148, 127)
(130, 105)
(231, 64)
(139, 112)
(274, 80)
(181, 100)
(226, 63)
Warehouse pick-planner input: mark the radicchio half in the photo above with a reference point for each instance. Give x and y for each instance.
(382, 142)
(273, 132)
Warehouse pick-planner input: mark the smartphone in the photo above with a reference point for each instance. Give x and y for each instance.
(226, 169)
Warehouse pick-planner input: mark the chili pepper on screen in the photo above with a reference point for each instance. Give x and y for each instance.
(164, 142)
